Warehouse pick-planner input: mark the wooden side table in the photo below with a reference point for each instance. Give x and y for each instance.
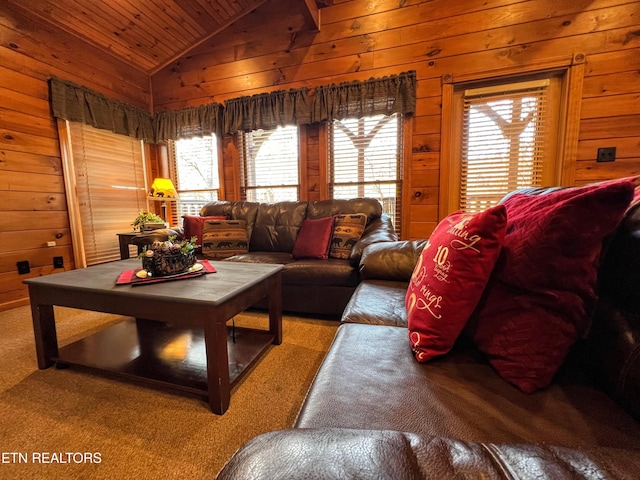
(126, 239)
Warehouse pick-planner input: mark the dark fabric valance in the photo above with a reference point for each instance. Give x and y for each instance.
(79, 104)
(386, 95)
(376, 96)
(188, 122)
(267, 110)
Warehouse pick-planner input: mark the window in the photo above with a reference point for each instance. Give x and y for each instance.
(110, 189)
(366, 161)
(508, 137)
(195, 168)
(270, 165)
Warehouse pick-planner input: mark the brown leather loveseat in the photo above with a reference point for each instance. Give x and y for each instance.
(374, 412)
(309, 285)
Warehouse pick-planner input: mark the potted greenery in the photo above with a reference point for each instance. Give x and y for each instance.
(147, 221)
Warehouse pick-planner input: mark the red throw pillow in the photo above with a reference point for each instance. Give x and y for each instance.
(314, 238)
(449, 278)
(539, 299)
(192, 225)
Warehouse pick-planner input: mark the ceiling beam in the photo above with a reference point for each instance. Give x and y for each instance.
(314, 11)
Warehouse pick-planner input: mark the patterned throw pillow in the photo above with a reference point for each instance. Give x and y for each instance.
(347, 231)
(192, 225)
(449, 278)
(224, 238)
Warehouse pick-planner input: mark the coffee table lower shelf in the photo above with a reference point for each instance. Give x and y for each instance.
(158, 354)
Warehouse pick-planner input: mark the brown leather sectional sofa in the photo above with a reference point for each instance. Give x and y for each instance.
(308, 285)
(374, 412)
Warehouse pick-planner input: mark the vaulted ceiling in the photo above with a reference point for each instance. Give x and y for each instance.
(149, 34)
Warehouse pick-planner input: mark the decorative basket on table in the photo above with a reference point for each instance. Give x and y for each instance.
(169, 257)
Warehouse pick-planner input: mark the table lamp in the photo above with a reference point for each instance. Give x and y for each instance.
(163, 189)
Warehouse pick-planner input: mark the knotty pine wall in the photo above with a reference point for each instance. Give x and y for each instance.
(359, 39)
(33, 208)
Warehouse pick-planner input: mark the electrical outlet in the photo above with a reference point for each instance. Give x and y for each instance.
(23, 267)
(58, 262)
(607, 154)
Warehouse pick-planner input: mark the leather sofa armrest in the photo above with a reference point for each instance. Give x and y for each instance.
(612, 350)
(391, 260)
(612, 354)
(354, 454)
(161, 235)
(378, 230)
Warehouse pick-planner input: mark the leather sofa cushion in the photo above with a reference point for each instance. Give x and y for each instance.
(277, 226)
(620, 272)
(613, 351)
(377, 302)
(356, 454)
(391, 260)
(327, 208)
(612, 354)
(281, 258)
(378, 230)
(320, 272)
(307, 272)
(370, 380)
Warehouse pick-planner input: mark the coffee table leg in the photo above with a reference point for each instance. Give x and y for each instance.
(275, 308)
(219, 388)
(44, 330)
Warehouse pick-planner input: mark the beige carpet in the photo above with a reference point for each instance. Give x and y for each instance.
(137, 432)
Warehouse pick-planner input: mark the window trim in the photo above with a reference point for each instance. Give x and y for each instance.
(572, 69)
(73, 206)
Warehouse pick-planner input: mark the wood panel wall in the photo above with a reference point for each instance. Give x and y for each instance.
(359, 39)
(33, 209)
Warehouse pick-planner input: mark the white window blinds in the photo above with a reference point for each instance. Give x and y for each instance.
(110, 188)
(195, 168)
(270, 165)
(503, 141)
(366, 161)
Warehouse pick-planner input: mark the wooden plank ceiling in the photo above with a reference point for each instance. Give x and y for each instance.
(147, 34)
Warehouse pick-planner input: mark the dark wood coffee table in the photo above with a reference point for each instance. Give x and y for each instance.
(178, 336)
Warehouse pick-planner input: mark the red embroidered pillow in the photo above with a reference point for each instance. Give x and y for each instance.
(539, 299)
(192, 225)
(449, 278)
(314, 238)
